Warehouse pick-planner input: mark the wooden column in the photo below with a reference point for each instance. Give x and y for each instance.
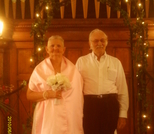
(14, 8)
(31, 2)
(73, 5)
(85, 8)
(129, 8)
(23, 8)
(1, 68)
(108, 11)
(62, 10)
(6, 3)
(97, 7)
(118, 12)
(4, 62)
(147, 8)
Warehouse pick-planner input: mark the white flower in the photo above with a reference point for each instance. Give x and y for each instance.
(60, 78)
(58, 82)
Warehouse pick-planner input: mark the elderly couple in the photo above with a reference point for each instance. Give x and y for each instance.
(97, 101)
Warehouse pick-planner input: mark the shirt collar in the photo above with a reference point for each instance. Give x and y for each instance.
(102, 57)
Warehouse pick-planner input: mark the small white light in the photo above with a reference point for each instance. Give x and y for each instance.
(31, 60)
(142, 22)
(136, 75)
(37, 15)
(139, 65)
(147, 55)
(144, 116)
(138, 18)
(126, 0)
(148, 127)
(139, 4)
(46, 7)
(145, 44)
(140, 36)
(39, 49)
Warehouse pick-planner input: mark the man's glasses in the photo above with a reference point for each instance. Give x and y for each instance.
(101, 40)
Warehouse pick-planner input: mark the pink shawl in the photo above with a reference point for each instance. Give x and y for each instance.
(65, 118)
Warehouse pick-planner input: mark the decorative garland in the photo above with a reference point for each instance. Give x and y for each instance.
(138, 42)
(23, 84)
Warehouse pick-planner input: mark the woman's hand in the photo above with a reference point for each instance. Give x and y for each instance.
(55, 94)
(40, 96)
(59, 94)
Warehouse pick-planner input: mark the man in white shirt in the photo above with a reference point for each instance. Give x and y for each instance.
(105, 88)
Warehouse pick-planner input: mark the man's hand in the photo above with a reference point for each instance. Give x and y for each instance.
(121, 123)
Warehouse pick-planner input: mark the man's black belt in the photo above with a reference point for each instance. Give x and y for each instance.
(100, 96)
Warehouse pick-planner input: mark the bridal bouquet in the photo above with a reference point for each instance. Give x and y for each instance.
(58, 82)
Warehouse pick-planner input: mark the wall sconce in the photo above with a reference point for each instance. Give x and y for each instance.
(1, 28)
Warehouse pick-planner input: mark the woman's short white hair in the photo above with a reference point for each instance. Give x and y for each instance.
(96, 30)
(56, 37)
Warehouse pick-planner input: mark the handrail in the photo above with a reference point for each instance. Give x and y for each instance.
(18, 89)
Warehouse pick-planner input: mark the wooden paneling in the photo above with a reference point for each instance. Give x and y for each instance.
(76, 34)
(73, 54)
(124, 55)
(150, 59)
(24, 61)
(110, 50)
(151, 33)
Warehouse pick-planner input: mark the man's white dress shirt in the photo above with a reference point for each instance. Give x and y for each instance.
(104, 77)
